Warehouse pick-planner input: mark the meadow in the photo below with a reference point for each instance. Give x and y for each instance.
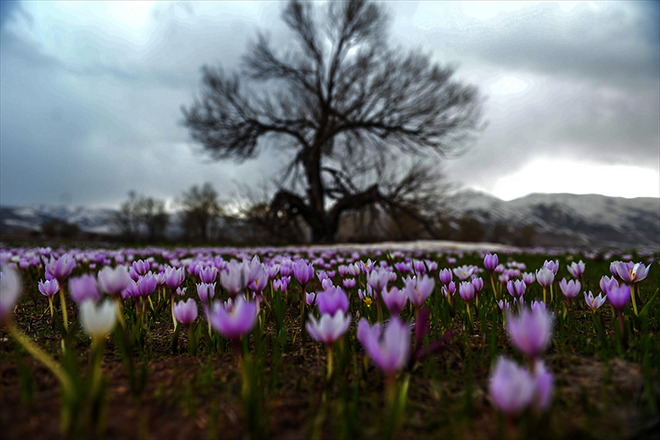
(298, 343)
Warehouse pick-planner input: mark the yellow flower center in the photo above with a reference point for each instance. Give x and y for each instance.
(368, 301)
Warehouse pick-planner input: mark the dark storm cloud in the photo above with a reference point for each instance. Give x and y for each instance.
(91, 105)
(591, 84)
(610, 45)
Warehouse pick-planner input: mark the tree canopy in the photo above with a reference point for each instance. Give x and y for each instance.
(348, 107)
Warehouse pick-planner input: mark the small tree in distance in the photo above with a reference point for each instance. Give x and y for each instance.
(200, 210)
(349, 110)
(141, 216)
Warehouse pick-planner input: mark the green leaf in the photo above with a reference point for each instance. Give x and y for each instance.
(647, 307)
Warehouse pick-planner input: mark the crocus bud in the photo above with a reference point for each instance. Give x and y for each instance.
(490, 262)
(83, 288)
(97, 321)
(185, 311)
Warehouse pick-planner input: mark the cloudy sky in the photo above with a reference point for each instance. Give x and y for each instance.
(91, 94)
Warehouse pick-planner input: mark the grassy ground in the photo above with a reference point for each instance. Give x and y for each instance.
(603, 388)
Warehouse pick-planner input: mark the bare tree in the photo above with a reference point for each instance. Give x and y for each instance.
(153, 217)
(127, 219)
(339, 100)
(200, 210)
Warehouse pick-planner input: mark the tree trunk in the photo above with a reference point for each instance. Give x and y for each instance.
(318, 220)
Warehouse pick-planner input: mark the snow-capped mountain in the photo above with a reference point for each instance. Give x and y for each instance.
(566, 219)
(553, 219)
(32, 218)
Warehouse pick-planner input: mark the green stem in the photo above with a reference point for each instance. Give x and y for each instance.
(65, 316)
(329, 361)
(120, 313)
(50, 303)
(552, 295)
(172, 309)
(42, 357)
(632, 296)
(492, 284)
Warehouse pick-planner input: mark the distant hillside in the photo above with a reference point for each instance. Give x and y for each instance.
(566, 219)
(31, 218)
(543, 219)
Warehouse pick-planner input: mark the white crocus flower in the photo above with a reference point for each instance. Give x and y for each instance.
(10, 291)
(99, 321)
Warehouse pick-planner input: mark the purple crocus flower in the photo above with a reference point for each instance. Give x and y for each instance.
(260, 282)
(537, 306)
(403, 267)
(389, 349)
(286, 268)
(332, 300)
(234, 278)
(174, 277)
(543, 387)
(511, 387)
(545, 276)
(141, 267)
(552, 265)
(349, 283)
(478, 284)
(272, 271)
(354, 270)
(185, 311)
(207, 274)
(327, 284)
(503, 304)
(49, 287)
(61, 268)
(528, 278)
(303, 272)
(419, 267)
(466, 290)
(594, 302)
(445, 276)
(206, 292)
(516, 288)
(449, 289)
(234, 320)
(329, 328)
(531, 331)
(395, 300)
(281, 284)
(619, 296)
(84, 287)
(632, 273)
(378, 279)
(570, 289)
(490, 262)
(576, 269)
(419, 289)
(146, 284)
(131, 291)
(113, 281)
(606, 283)
(133, 274)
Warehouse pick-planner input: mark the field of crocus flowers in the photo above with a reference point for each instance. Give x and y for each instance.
(324, 343)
